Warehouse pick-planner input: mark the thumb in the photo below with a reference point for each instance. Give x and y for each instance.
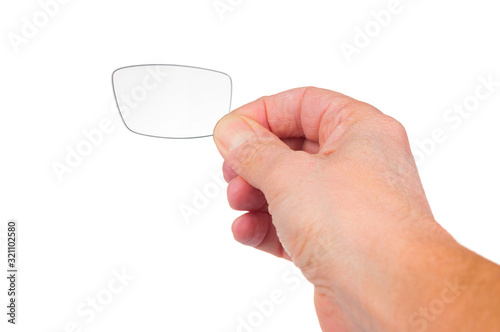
(254, 153)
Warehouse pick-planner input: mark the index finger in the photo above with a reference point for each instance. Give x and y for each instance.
(307, 112)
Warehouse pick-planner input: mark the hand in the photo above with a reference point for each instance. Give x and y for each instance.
(331, 184)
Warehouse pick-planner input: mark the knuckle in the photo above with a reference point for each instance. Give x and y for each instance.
(395, 128)
(315, 252)
(250, 152)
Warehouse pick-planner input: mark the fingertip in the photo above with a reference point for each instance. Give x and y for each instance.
(244, 197)
(241, 229)
(249, 230)
(228, 172)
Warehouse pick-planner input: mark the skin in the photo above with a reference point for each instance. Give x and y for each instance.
(330, 183)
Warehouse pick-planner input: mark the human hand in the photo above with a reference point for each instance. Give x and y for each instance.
(331, 184)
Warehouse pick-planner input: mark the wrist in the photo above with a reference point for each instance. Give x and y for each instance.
(397, 282)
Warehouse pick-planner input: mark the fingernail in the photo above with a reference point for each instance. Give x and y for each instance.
(232, 131)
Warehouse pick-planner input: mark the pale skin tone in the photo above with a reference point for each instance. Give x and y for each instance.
(330, 183)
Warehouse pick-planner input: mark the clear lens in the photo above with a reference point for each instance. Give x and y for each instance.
(171, 101)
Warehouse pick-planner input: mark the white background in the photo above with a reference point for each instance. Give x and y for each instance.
(120, 207)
